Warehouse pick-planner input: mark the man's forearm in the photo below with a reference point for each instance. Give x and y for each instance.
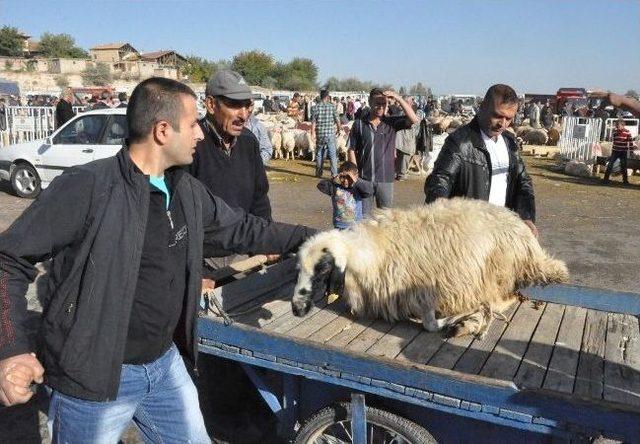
(352, 157)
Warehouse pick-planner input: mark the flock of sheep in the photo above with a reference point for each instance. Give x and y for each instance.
(291, 139)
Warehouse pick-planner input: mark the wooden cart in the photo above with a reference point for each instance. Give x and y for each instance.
(565, 363)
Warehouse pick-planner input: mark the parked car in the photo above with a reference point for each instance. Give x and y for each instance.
(31, 166)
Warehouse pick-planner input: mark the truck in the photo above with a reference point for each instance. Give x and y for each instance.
(563, 365)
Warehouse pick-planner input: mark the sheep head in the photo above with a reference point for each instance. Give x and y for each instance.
(322, 267)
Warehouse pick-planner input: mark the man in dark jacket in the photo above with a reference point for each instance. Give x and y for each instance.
(481, 160)
(64, 109)
(125, 235)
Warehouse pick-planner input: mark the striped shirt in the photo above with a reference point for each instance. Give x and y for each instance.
(622, 140)
(325, 116)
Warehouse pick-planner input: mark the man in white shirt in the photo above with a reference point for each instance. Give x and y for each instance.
(481, 161)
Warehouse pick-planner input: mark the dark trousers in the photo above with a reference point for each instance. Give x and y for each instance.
(622, 155)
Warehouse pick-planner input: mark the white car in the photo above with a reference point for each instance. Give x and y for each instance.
(31, 166)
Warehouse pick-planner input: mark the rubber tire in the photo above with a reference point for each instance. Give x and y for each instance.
(342, 411)
(21, 167)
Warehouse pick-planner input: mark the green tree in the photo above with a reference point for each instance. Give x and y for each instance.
(402, 91)
(633, 93)
(61, 45)
(10, 41)
(298, 74)
(197, 69)
(255, 66)
(98, 75)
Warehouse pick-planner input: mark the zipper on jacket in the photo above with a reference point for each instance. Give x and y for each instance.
(170, 220)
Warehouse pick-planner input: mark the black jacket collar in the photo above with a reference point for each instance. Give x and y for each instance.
(476, 136)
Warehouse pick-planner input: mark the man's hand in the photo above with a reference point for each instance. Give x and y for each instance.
(272, 258)
(392, 94)
(16, 375)
(532, 227)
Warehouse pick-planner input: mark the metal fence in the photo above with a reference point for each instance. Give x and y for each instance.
(630, 124)
(26, 123)
(580, 138)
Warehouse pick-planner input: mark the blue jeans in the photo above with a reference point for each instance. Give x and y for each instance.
(382, 198)
(326, 145)
(159, 397)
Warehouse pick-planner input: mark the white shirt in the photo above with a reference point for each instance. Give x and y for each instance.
(499, 154)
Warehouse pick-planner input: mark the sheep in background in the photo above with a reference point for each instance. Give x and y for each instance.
(275, 136)
(288, 144)
(453, 263)
(304, 143)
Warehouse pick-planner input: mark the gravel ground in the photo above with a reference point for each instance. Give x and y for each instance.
(594, 228)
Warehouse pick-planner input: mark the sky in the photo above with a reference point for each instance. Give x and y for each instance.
(453, 46)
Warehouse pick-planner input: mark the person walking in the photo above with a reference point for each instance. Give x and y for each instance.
(622, 144)
(325, 124)
(64, 108)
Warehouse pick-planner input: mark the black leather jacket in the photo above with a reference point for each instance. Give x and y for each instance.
(463, 168)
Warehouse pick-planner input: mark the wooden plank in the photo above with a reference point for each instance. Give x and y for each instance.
(350, 332)
(450, 352)
(593, 298)
(561, 374)
(477, 353)
(396, 339)
(536, 359)
(313, 324)
(265, 313)
(590, 375)
(289, 320)
(622, 364)
(506, 357)
(369, 336)
(333, 328)
(422, 348)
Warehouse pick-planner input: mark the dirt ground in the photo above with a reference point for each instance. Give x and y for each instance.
(594, 228)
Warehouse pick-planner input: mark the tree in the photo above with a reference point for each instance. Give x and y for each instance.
(197, 69)
(402, 91)
(10, 41)
(98, 75)
(61, 45)
(255, 66)
(419, 90)
(633, 94)
(298, 74)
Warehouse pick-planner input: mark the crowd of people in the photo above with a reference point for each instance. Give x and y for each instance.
(111, 344)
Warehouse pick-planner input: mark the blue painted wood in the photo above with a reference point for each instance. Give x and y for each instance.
(358, 419)
(603, 416)
(290, 400)
(265, 391)
(542, 426)
(597, 299)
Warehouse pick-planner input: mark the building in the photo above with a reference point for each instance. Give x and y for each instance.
(114, 53)
(165, 58)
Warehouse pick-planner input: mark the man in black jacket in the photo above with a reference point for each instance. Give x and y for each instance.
(125, 235)
(64, 109)
(481, 160)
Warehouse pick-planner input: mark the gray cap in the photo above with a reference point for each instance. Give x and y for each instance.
(229, 84)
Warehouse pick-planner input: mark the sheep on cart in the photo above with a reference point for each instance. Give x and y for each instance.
(563, 362)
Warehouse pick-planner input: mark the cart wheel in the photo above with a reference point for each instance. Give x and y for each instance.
(333, 425)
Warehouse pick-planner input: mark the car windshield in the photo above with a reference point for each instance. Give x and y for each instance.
(82, 131)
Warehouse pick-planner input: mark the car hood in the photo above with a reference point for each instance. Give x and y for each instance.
(21, 150)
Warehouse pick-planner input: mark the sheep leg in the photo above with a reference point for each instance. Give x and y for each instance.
(432, 324)
(476, 323)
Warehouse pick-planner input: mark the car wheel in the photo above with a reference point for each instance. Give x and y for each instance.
(25, 181)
